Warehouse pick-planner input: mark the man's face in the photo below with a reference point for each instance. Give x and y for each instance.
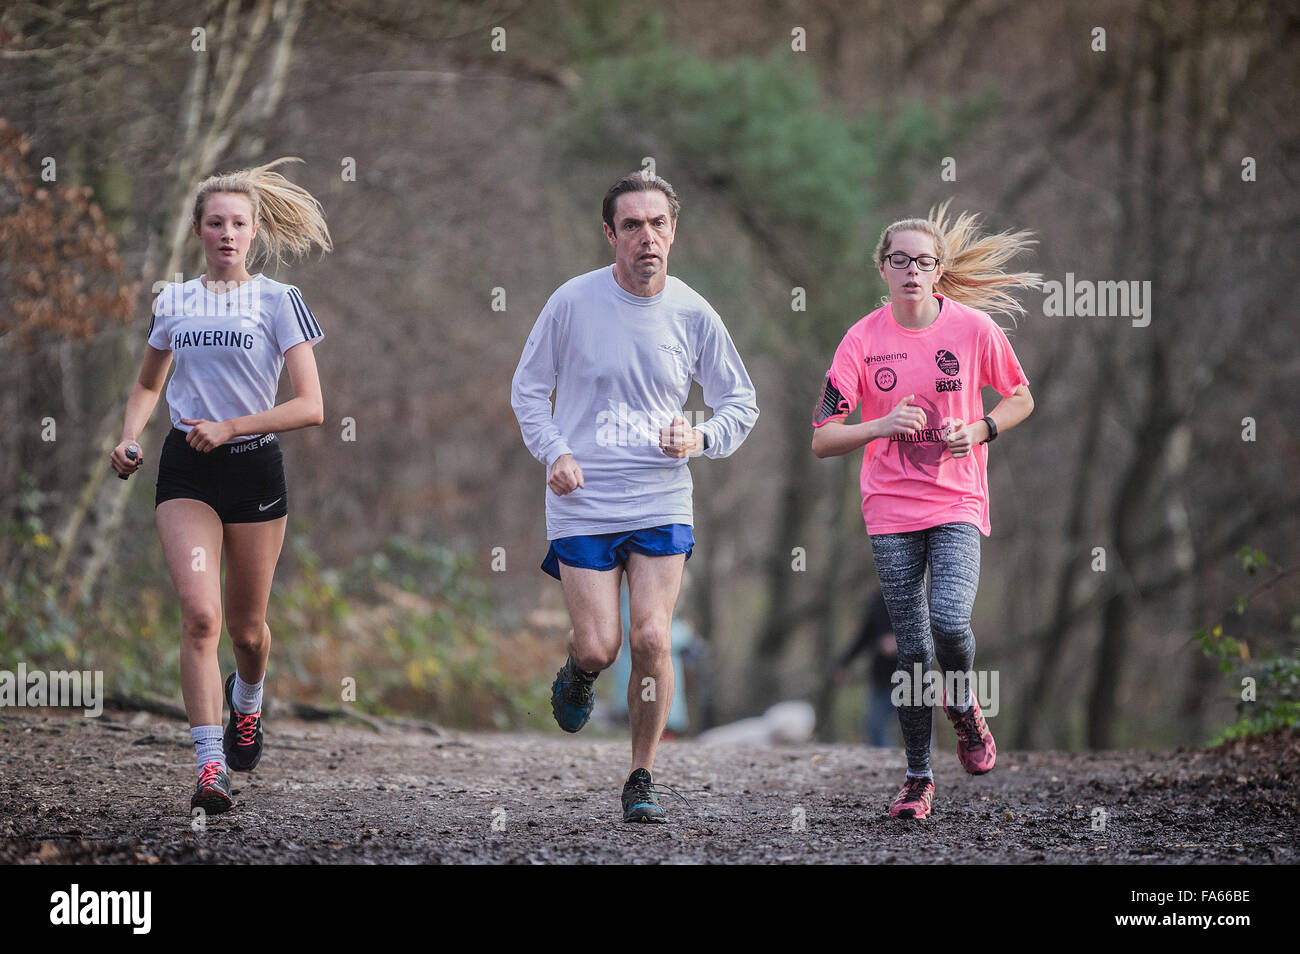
(643, 234)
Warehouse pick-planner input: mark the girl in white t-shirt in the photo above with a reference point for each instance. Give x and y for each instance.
(221, 486)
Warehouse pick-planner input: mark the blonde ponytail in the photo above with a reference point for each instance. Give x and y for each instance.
(288, 217)
(972, 261)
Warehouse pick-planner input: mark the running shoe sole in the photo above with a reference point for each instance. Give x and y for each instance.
(568, 713)
(645, 818)
(214, 803)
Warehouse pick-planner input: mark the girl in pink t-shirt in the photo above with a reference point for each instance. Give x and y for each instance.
(916, 366)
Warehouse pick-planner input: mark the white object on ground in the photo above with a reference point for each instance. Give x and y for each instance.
(786, 723)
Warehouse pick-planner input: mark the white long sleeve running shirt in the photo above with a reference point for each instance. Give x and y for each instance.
(621, 368)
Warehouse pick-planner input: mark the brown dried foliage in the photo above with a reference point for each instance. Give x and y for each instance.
(60, 271)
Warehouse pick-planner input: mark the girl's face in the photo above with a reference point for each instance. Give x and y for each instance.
(910, 283)
(227, 230)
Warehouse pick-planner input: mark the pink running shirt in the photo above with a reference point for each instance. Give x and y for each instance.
(914, 482)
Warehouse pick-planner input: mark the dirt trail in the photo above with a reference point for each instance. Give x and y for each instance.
(116, 790)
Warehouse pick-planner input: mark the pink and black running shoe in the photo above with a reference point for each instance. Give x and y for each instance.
(976, 749)
(914, 798)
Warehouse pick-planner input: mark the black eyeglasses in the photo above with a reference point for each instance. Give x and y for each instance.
(925, 263)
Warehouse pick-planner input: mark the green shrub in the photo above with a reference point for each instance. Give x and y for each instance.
(1270, 694)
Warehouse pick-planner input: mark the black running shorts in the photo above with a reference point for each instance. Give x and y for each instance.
(242, 481)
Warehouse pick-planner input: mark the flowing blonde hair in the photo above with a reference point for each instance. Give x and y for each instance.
(972, 261)
(288, 217)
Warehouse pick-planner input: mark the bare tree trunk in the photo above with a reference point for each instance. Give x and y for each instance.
(1160, 413)
(830, 604)
(788, 533)
(1053, 643)
(703, 597)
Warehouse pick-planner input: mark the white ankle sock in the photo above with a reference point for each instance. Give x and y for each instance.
(207, 745)
(247, 699)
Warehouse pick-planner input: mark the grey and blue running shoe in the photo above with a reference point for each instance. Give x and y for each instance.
(573, 696)
(639, 801)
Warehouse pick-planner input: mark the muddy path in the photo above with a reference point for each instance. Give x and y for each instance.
(116, 790)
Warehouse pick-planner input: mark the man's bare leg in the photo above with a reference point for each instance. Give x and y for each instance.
(653, 584)
(592, 598)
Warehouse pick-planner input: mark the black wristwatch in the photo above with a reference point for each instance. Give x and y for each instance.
(993, 431)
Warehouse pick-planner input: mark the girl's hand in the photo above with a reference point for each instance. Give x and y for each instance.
(208, 435)
(123, 464)
(959, 436)
(903, 419)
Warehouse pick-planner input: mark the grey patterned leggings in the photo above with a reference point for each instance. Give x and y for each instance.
(937, 625)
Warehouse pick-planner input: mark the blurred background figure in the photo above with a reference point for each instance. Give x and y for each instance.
(876, 635)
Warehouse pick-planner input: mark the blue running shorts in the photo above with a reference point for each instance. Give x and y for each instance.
(604, 551)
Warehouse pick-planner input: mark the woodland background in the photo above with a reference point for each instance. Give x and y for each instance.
(793, 131)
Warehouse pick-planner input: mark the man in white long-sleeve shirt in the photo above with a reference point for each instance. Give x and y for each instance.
(619, 347)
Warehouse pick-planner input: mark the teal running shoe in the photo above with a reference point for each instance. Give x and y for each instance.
(573, 696)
